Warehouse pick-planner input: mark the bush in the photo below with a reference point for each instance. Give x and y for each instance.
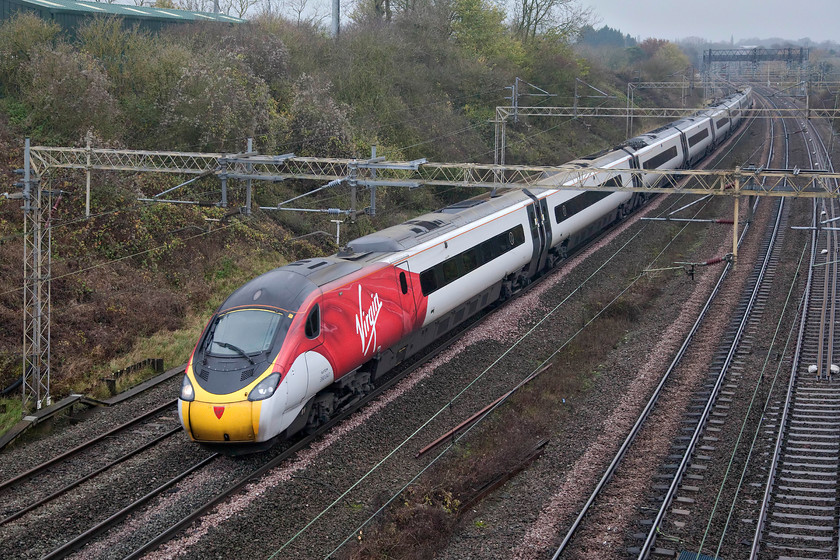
(318, 125)
(67, 91)
(263, 51)
(217, 103)
(19, 36)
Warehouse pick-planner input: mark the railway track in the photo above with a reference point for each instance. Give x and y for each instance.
(153, 542)
(26, 491)
(708, 408)
(257, 466)
(798, 517)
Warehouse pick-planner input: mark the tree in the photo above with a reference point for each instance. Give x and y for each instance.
(667, 61)
(605, 37)
(241, 7)
(650, 46)
(195, 5)
(478, 26)
(318, 125)
(19, 36)
(559, 19)
(217, 102)
(68, 93)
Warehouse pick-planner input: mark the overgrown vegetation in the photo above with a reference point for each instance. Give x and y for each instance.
(414, 79)
(418, 524)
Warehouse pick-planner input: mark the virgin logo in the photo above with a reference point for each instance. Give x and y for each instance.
(366, 322)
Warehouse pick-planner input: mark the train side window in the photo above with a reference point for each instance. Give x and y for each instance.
(469, 260)
(450, 270)
(428, 282)
(313, 323)
(518, 235)
(403, 283)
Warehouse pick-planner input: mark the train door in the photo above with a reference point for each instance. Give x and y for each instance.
(546, 226)
(540, 232)
(407, 295)
(684, 143)
(306, 373)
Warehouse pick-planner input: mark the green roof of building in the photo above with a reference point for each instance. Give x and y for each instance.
(126, 11)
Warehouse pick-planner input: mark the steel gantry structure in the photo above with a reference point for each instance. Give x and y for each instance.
(753, 62)
(369, 173)
(629, 113)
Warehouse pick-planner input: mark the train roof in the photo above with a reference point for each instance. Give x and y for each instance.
(652, 137)
(287, 287)
(600, 159)
(428, 226)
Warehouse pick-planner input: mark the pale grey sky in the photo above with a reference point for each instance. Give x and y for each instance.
(718, 20)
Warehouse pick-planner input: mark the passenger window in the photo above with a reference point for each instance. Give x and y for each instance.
(313, 323)
(450, 270)
(403, 283)
(428, 282)
(469, 261)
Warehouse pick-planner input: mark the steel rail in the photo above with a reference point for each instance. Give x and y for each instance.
(634, 431)
(79, 541)
(774, 462)
(85, 445)
(89, 476)
(701, 423)
(829, 165)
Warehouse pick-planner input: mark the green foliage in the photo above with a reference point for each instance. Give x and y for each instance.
(216, 103)
(553, 65)
(605, 37)
(318, 125)
(478, 26)
(143, 71)
(10, 413)
(667, 61)
(19, 37)
(262, 50)
(68, 91)
(108, 41)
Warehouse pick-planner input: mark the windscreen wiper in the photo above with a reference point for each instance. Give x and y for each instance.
(236, 349)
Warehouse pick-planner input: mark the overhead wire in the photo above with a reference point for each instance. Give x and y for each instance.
(767, 404)
(473, 382)
(116, 260)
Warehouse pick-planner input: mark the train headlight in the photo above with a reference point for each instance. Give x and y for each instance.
(187, 392)
(265, 388)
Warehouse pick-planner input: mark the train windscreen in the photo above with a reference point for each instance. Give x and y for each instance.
(246, 332)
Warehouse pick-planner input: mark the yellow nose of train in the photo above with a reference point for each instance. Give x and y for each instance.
(220, 422)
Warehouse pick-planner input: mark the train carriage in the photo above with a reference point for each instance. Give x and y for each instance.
(292, 346)
(699, 137)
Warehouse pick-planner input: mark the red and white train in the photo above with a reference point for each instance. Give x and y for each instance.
(289, 348)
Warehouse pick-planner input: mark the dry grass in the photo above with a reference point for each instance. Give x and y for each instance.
(425, 517)
(10, 413)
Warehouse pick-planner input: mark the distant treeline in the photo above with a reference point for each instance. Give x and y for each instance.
(413, 78)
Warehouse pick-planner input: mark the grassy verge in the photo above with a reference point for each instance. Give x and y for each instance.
(10, 413)
(175, 346)
(429, 511)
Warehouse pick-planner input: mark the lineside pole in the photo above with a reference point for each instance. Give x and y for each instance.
(87, 175)
(248, 183)
(36, 291)
(372, 211)
(735, 220)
